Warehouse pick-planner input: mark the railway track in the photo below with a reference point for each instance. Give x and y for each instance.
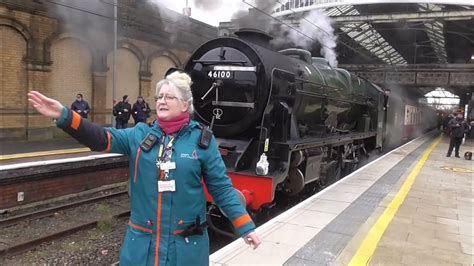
(33, 243)
(50, 211)
(26, 241)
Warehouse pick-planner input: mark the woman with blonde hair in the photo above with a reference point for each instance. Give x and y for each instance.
(167, 170)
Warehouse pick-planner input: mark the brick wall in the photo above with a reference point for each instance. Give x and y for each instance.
(48, 188)
(70, 71)
(12, 78)
(159, 66)
(127, 78)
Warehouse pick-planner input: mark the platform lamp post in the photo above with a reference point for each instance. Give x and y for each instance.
(113, 60)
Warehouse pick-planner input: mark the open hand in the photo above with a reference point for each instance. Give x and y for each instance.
(252, 239)
(46, 106)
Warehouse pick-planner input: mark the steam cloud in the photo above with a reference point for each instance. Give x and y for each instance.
(208, 4)
(316, 25)
(96, 29)
(168, 23)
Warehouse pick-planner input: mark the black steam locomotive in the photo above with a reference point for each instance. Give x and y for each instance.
(285, 119)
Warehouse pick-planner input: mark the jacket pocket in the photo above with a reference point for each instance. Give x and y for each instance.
(193, 250)
(136, 247)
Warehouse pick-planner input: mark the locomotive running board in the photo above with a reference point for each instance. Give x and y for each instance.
(234, 104)
(316, 142)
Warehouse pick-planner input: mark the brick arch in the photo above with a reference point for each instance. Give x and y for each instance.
(22, 29)
(17, 46)
(71, 69)
(128, 71)
(135, 50)
(162, 52)
(48, 42)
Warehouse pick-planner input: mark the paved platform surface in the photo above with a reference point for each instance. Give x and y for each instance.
(18, 152)
(15, 147)
(408, 207)
(434, 224)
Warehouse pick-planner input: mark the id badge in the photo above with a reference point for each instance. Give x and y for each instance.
(167, 166)
(166, 186)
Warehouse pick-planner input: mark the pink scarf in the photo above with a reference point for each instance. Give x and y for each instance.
(174, 125)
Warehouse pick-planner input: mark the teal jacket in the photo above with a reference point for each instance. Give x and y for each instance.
(152, 236)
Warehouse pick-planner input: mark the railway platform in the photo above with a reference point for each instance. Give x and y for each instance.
(34, 172)
(411, 206)
(14, 152)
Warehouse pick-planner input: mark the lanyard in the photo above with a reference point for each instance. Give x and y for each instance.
(163, 152)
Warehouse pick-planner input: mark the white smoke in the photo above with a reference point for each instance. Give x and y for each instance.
(317, 26)
(96, 29)
(169, 21)
(208, 4)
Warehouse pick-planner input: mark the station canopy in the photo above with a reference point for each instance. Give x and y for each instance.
(396, 33)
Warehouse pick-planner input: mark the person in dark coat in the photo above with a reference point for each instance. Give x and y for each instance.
(140, 110)
(122, 113)
(167, 175)
(458, 128)
(80, 106)
(446, 129)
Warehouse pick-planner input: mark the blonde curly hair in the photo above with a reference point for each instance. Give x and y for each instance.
(182, 82)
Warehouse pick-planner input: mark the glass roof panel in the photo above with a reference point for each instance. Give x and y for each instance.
(367, 36)
(435, 32)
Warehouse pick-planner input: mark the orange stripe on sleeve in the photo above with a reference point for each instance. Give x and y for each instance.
(76, 120)
(241, 221)
(109, 142)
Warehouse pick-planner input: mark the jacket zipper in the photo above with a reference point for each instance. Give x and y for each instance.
(158, 218)
(158, 230)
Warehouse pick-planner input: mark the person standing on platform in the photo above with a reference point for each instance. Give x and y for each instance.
(80, 106)
(458, 127)
(440, 121)
(122, 113)
(168, 170)
(448, 118)
(140, 110)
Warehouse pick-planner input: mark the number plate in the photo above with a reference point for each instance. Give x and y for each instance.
(221, 74)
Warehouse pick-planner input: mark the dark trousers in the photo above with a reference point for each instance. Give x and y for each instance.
(140, 120)
(454, 143)
(121, 124)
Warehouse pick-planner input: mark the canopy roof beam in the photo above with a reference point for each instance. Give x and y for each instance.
(409, 17)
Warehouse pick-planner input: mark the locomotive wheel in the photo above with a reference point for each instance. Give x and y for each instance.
(334, 176)
(297, 158)
(295, 182)
(349, 168)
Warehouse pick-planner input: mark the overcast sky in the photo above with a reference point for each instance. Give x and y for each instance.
(214, 13)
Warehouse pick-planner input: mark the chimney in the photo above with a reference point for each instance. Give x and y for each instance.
(254, 36)
(187, 11)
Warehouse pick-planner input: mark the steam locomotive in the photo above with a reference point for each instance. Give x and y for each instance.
(286, 120)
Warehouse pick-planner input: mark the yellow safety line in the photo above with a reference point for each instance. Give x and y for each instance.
(367, 249)
(42, 153)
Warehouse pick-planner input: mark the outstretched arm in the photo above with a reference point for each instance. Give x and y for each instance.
(95, 137)
(46, 106)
